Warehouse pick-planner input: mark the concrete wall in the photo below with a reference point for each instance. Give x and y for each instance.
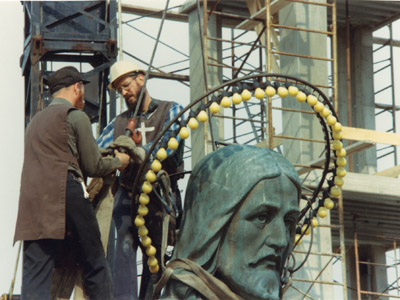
(201, 137)
(362, 110)
(306, 126)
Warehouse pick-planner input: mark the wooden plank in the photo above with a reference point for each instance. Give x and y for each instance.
(363, 187)
(353, 148)
(378, 137)
(264, 143)
(391, 172)
(250, 23)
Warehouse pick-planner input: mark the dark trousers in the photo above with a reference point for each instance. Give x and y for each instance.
(124, 271)
(41, 256)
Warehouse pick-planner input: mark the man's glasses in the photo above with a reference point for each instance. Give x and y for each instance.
(125, 86)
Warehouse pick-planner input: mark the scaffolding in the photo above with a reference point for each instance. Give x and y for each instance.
(244, 51)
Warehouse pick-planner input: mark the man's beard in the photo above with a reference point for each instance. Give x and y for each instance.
(130, 105)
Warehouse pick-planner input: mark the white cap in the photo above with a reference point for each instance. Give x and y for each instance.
(122, 68)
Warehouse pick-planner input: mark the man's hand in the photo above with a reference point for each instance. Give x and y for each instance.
(137, 153)
(123, 158)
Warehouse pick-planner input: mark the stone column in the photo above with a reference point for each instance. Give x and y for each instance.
(306, 126)
(362, 104)
(201, 137)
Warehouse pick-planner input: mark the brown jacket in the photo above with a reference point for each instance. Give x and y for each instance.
(58, 139)
(41, 211)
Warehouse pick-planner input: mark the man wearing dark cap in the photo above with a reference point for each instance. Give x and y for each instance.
(54, 211)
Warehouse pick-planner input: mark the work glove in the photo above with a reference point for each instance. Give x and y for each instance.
(126, 142)
(106, 151)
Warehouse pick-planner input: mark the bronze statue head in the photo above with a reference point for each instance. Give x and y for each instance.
(239, 220)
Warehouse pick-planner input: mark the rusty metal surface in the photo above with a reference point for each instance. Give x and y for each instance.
(76, 32)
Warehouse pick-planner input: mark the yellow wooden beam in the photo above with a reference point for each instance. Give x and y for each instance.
(379, 137)
(391, 172)
(353, 148)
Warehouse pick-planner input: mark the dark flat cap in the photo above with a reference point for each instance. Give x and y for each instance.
(64, 77)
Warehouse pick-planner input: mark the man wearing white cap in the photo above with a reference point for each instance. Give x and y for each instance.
(128, 79)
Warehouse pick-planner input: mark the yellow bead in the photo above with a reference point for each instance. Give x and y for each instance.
(322, 212)
(143, 210)
(335, 191)
(246, 95)
(144, 199)
(161, 154)
(341, 172)
(282, 92)
(293, 91)
(150, 176)
(331, 120)
(139, 221)
(328, 203)
(202, 116)
(337, 145)
(301, 97)
(214, 108)
(154, 269)
(225, 102)
(311, 100)
(193, 124)
(297, 239)
(236, 99)
(337, 127)
(173, 143)
(146, 241)
(184, 133)
(142, 231)
(259, 93)
(341, 153)
(147, 187)
(270, 91)
(151, 251)
(156, 165)
(318, 107)
(152, 261)
(325, 112)
(306, 230)
(341, 162)
(338, 181)
(314, 222)
(337, 135)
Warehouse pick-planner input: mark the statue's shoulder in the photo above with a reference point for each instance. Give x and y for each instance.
(176, 290)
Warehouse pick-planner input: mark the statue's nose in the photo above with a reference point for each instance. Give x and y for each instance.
(277, 236)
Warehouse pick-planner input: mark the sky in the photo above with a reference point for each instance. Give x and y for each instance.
(12, 122)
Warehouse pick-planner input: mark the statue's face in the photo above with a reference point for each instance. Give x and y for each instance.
(258, 240)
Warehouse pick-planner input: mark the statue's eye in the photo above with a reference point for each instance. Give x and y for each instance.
(263, 217)
(290, 221)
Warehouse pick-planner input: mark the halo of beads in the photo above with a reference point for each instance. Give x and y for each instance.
(242, 93)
